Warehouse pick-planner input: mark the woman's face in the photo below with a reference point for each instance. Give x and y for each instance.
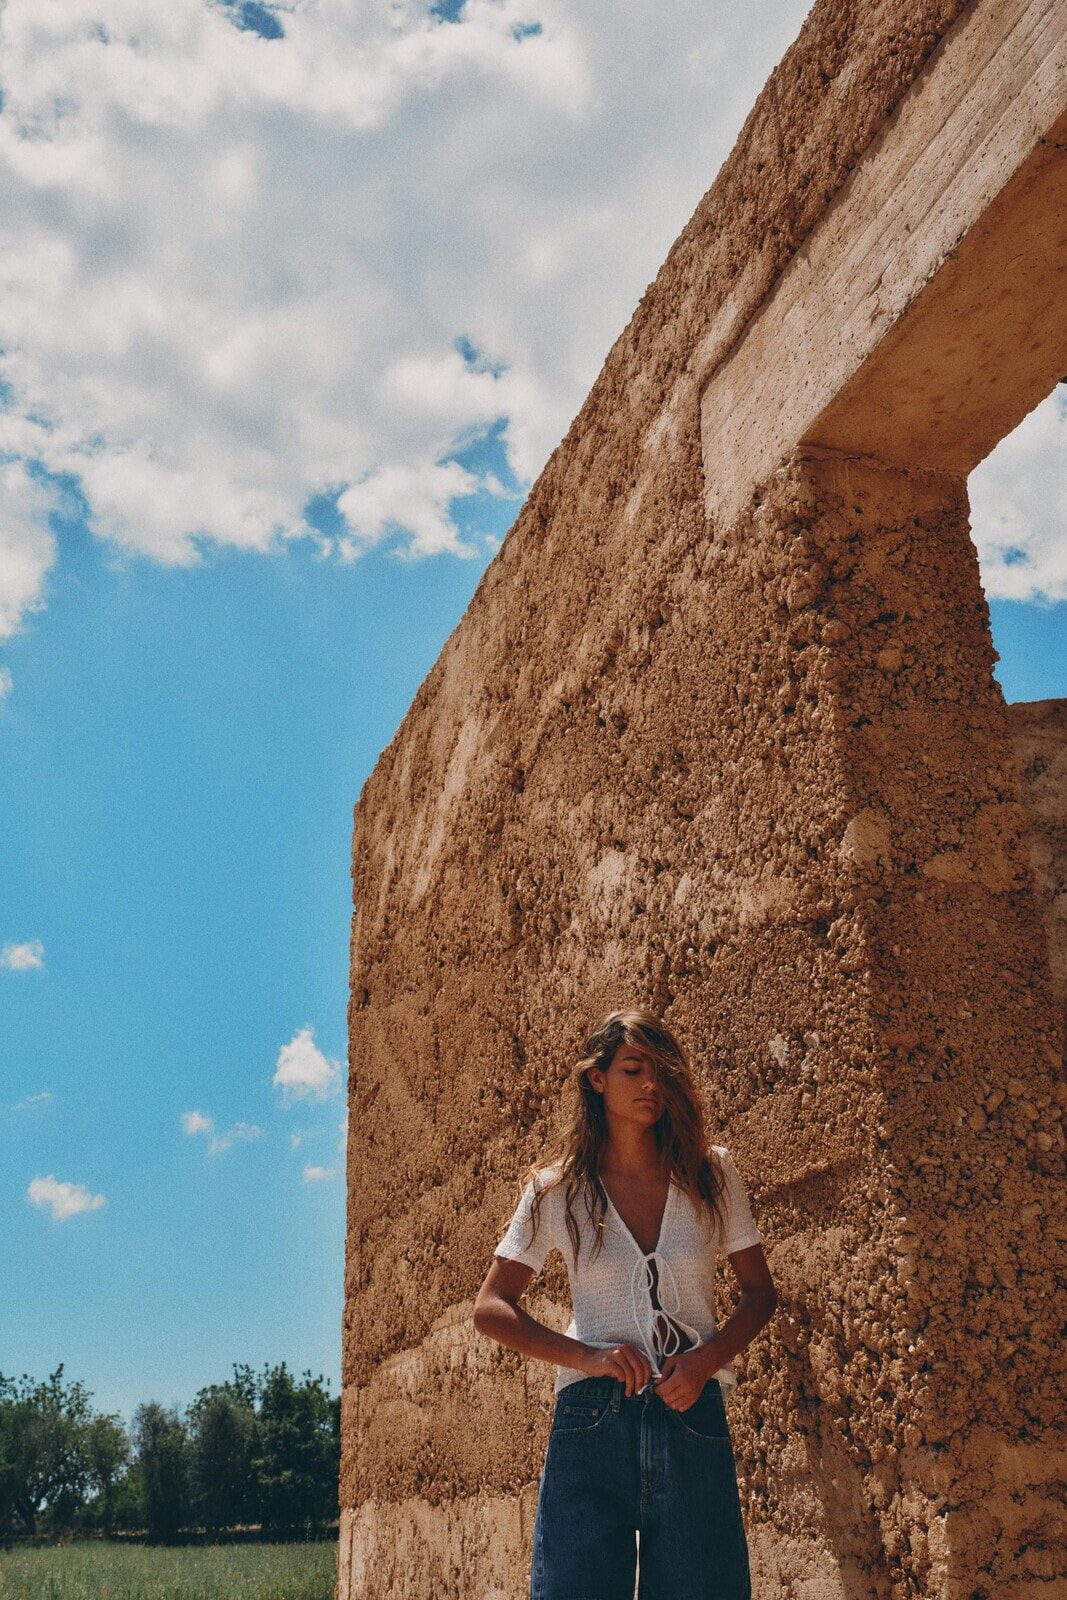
(630, 1086)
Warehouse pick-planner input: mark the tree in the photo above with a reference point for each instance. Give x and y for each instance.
(244, 1385)
(297, 1451)
(8, 1462)
(222, 1425)
(258, 1448)
(162, 1451)
(42, 1449)
(127, 1506)
(107, 1450)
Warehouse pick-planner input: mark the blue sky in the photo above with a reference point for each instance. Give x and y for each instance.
(279, 355)
(181, 760)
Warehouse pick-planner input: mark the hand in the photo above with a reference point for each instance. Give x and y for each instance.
(682, 1378)
(623, 1361)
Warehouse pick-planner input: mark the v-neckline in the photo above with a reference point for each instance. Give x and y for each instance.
(644, 1254)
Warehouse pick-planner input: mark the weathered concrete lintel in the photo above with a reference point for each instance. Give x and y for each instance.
(942, 257)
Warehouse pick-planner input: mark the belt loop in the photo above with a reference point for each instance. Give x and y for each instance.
(616, 1395)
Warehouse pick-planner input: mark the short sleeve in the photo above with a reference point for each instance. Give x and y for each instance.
(739, 1229)
(517, 1244)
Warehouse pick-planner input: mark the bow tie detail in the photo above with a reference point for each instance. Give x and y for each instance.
(659, 1327)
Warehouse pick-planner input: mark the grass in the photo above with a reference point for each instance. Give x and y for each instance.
(98, 1571)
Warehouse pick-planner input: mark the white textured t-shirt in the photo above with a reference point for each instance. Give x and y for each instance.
(612, 1295)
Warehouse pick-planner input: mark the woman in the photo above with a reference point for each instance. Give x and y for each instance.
(639, 1205)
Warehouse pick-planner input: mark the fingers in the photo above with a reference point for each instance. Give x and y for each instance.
(631, 1366)
(642, 1368)
(621, 1367)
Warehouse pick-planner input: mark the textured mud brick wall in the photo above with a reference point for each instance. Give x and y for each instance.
(931, 1351)
(1039, 732)
(759, 777)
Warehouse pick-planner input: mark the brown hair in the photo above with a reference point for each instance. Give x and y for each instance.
(679, 1131)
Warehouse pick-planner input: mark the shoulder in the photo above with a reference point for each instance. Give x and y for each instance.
(547, 1184)
(542, 1185)
(732, 1179)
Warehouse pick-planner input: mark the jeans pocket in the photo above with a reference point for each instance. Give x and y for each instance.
(706, 1417)
(579, 1416)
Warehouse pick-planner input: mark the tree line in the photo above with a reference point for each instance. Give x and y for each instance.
(260, 1450)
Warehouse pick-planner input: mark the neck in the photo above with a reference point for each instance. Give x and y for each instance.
(631, 1151)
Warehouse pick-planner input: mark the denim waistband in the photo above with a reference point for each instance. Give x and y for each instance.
(610, 1391)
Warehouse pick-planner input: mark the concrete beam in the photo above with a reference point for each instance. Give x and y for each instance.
(923, 318)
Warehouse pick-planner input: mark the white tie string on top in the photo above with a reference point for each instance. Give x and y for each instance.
(658, 1320)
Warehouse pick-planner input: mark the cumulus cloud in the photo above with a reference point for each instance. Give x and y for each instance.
(1019, 508)
(317, 1174)
(22, 957)
(27, 544)
(195, 1122)
(63, 1200)
(303, 1072)
(260, 256)
(415, 499)
(5, 677)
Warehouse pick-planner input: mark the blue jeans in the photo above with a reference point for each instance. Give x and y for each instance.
(616, 1465)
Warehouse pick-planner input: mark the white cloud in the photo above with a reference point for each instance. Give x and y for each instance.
(1019, 508)
(32, 1101)
(5, 679)
(64, 1200)
(22, 957)
(317, 1174)
(303, 1072)
(27, 544)
(241, 1132)
(416, 499)
(241, 272)
(195, 1122)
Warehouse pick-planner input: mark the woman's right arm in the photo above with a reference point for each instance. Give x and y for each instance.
(499, 1316)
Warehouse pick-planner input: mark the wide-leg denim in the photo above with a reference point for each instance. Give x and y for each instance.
(619, 1465)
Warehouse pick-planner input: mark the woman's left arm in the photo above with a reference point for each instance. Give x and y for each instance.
(756, 1307)
(684, 1375)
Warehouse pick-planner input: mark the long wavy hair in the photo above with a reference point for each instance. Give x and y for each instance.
(680, 1132)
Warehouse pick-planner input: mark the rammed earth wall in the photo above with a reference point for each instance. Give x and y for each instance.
(758, 775)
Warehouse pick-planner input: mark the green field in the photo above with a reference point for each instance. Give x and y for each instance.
(98, 1571)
